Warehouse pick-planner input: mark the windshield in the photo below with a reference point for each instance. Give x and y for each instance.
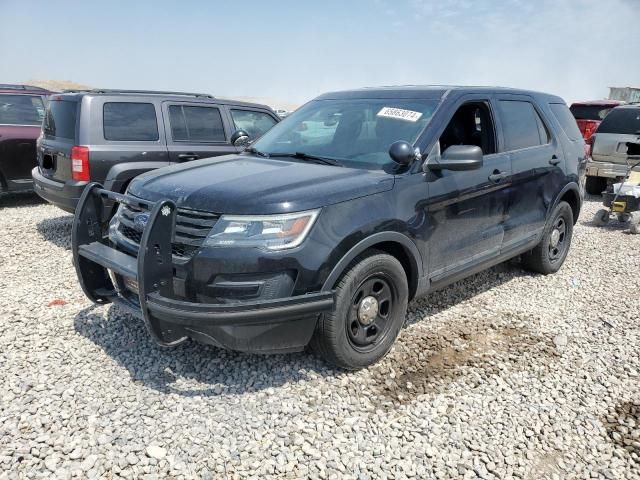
(355, 133)
(21, 110)
(590, 112)
(624, 121)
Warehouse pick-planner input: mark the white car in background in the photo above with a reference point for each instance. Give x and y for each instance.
(282, 113)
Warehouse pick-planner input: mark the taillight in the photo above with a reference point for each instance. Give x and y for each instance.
(590, 128)
(80, 163)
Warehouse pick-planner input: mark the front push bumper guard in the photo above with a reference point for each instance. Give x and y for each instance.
(240, 326)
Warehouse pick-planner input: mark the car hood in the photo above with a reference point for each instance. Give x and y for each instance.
(242, 184)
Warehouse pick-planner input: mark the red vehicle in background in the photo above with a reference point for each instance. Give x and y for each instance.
(589, 114)
(22, 109)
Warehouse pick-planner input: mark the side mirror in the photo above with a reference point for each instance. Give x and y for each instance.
(459, 157)
(240, 138)
(402, 152)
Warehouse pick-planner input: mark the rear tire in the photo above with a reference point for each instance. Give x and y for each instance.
(371, 303)
(549, 255)
(595, 185)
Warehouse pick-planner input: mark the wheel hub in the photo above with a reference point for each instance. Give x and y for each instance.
(555, 238)
(367, 310)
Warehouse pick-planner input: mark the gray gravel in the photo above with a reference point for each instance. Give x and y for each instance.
(506, 374)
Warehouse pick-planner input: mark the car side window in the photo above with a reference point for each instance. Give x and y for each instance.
(196, 124)
(472, 124)
(522, 126)
(253, 122)
(128, 121)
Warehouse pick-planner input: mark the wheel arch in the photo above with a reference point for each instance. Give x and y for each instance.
(570, 194)
(123, 173)
(4, 186)
(395, 244)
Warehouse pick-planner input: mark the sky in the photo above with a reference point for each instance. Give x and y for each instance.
(296, 50)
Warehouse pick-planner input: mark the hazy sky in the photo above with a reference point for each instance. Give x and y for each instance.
(295, 50)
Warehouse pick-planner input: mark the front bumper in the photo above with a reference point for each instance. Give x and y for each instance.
(607, 169)
(277, 325)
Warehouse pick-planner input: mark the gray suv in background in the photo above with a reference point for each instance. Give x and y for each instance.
(609, 155)
(112, 136)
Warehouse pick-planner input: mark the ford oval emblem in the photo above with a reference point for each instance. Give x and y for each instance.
(140, 221)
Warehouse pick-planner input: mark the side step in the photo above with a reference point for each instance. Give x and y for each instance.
(119, 262)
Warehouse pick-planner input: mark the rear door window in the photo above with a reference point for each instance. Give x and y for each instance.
(625, 121)
(196, 124)
(21, 110)
(60, 119)
(253, 122)
(130, 122)
(522, 126)
(566, 120)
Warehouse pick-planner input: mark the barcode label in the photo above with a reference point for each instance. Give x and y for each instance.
(400, 114)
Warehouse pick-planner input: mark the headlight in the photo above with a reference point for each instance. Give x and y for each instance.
(275, 232)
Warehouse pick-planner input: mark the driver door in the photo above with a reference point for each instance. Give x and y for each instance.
(467, 209)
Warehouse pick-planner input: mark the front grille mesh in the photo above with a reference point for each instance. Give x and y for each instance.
(192, 227)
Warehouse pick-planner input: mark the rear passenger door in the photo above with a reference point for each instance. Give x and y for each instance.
(537, 167)
(196, 130)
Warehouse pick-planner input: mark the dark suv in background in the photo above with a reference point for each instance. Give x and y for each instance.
(21, 112)
(324, 229)
(111, 136)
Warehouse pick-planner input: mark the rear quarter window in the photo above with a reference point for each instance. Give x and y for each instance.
(130, 122)
(21, 110)
(625, 121)
(566, 120)
(60, 119)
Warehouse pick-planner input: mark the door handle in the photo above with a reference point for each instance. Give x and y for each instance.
(497, 175)
(554, 160)
(183, 157)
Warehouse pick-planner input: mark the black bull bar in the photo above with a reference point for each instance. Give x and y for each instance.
(167, 319)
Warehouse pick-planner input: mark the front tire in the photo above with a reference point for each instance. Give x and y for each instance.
(549, 255)
(371, 304)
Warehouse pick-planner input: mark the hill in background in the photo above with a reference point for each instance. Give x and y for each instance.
(59, 85)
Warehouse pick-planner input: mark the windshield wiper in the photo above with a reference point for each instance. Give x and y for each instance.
(308, 156)
(255, 151)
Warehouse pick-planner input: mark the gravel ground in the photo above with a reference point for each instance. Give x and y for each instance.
(505, 374)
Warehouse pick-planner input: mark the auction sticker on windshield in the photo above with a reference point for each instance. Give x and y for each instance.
(399, 113)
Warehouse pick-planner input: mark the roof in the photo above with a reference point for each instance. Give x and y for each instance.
(176, 96)
(429, 91)
(23, 89)
(599, 102)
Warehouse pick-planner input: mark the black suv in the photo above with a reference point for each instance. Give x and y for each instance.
(322, 231)
(110, 136)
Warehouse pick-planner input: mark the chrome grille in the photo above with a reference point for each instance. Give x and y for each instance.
(192, 227)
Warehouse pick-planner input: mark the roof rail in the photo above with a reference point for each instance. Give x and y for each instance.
(13, 86)
(142, 92)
